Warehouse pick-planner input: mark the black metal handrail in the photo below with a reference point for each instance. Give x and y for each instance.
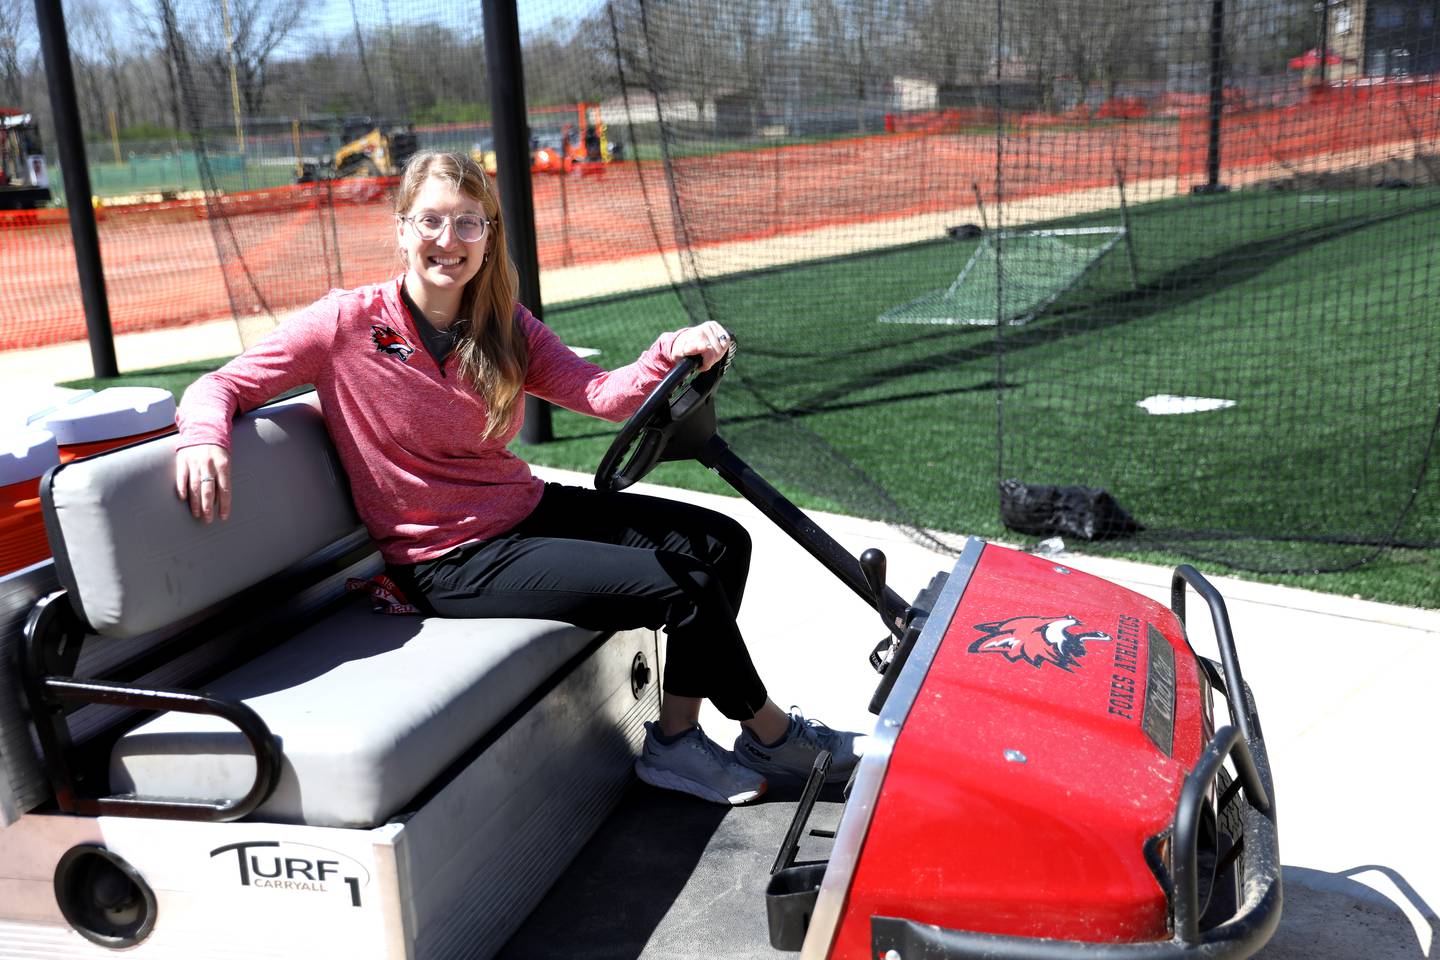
(1237, 696)
(254, 729)
(53, 635)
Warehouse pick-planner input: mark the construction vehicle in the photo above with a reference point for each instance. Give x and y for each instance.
(24, 181)
(370, 149)
(581, 147)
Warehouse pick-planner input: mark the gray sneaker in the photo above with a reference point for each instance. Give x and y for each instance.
(793, 757)
(699, 766)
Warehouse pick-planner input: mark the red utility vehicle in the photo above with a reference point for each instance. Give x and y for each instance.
(1046, 779)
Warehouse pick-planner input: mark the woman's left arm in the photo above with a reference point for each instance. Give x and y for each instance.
(557, 375)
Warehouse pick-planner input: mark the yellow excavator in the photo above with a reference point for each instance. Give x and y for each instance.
(370, 149)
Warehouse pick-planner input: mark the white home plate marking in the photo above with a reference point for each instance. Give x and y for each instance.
(1165, 403)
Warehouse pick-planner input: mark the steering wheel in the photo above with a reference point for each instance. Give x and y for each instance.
(674, 423)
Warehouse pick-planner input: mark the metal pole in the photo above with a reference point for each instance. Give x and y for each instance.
(115, 138)
(234, 82)
(512, 162)
(70, 145)
(1217, 98)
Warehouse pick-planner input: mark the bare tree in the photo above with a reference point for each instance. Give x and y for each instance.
(1093, 45)
(16, 17)
(1261, 36)
(571, 61)
(257, 28)
(663, 46)
(101, 65)
(950, 41)
(855, 46)
(762, 34)
(454, 68)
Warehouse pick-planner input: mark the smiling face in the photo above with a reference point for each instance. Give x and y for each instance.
(437, 270)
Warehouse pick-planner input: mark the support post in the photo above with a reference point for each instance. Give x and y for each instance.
(1212, 182)
(1324, 39)
(70, 146)
(512, 162)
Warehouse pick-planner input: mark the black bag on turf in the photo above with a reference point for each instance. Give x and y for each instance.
(1045, 510)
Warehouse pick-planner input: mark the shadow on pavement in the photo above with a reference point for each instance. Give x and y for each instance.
(1335, 915)
(672, 877)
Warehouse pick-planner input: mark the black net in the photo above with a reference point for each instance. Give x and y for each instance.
(1151, 274)
(1163, 272)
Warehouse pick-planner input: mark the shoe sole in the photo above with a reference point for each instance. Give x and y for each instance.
(779, 774)
(791, 778)
(668, 780)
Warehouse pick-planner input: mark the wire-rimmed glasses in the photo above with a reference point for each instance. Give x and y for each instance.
(468, 227)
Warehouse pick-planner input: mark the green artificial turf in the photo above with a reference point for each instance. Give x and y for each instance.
(1316, 316)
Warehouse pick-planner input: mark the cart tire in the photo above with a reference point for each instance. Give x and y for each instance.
(1227, 889)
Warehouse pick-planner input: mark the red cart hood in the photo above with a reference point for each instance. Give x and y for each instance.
(1046, 743)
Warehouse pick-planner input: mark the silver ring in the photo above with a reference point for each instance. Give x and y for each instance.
(724, 338)
(206, 480)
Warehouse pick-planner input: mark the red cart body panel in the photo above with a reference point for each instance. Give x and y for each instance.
(1013, 802)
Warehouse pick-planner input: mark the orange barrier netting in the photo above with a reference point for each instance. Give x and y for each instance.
(293, 243)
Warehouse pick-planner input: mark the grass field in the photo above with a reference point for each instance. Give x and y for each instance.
(1315, 313)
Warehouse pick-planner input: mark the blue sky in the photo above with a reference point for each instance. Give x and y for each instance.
(334, 17)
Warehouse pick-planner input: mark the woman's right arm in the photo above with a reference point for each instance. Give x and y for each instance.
(292, 354)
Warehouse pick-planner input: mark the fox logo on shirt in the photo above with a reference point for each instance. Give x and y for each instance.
(388, 341)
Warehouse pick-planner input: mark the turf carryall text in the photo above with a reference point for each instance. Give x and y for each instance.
(261, 863)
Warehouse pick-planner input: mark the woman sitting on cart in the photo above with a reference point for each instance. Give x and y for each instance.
(422, 379)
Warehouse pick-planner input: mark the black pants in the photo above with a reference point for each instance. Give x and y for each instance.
(617, 561)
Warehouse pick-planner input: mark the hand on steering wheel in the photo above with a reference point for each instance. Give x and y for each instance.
(676, 419)
(709, 341)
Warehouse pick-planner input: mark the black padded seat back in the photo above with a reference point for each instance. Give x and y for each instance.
(133, 559)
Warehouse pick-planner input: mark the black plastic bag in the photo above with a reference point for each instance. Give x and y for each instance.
(1045, 510)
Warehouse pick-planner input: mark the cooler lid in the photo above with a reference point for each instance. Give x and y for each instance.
(25, 454)
(112, 413)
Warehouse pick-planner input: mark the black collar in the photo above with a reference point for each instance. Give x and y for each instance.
(438, 343)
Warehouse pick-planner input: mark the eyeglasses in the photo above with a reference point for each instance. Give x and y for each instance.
(469, 227)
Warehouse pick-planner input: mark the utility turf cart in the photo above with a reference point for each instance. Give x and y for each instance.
(310, 778)
(1045, 779)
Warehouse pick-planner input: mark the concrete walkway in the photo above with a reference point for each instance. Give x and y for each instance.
(1343, 686)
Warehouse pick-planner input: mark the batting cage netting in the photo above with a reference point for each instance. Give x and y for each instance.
(1149, 273)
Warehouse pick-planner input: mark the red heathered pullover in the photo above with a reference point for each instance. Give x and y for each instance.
(408, 435)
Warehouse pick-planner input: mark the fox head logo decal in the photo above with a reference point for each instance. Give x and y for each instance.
(388, 341)
(1036, 640)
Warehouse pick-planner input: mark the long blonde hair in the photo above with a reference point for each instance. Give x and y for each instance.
(492, 352)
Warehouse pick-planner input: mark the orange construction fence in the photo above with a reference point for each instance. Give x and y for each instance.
(283, 247)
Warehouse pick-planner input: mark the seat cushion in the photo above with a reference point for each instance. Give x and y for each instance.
(368, 709)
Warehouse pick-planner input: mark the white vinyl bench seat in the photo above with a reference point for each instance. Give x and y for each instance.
(368, 709)
(455, 766)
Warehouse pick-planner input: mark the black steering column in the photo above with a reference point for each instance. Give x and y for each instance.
(677, 422)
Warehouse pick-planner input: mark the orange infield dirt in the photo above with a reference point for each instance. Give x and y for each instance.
(162, 268)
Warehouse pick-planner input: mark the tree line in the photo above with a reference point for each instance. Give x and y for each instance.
(154, 67)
